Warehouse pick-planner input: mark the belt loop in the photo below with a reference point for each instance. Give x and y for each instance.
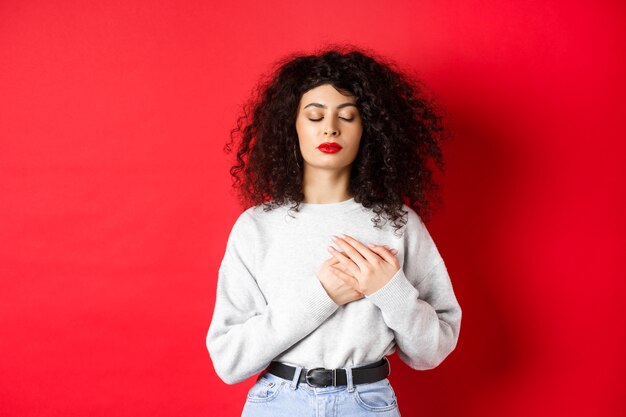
(349, 379)
(296, 378)
(388, 365)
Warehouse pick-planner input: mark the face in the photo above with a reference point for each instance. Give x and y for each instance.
(325, 116)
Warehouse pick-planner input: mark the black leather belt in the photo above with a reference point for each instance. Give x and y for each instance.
(321, 377)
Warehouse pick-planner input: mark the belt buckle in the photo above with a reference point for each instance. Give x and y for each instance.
(334, 377)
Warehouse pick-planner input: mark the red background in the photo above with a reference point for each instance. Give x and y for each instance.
(116, 200)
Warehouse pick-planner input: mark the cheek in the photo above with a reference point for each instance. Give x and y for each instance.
(359, 128)
(356, 133)
(306, 134)
(355, 129)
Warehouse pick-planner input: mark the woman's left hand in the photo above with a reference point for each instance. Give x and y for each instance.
(372, 265)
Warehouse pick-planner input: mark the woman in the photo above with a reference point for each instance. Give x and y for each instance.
(345, 138)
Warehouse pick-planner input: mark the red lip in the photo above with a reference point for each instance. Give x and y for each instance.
(329, 147)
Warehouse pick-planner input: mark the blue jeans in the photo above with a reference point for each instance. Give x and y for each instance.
(273, 396)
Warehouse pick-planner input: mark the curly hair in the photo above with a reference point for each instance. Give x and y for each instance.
(402, 134)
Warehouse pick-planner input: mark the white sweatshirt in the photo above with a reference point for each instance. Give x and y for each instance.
(270, 305)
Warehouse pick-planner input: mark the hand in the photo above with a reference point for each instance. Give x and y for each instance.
(341, 289)
(372, 266)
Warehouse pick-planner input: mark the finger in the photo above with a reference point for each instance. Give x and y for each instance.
(346, 278)
(345, 261)
(384, 253)
(389, 248)
(342, 267)
(357, 251)
(332, 260)
(365, 250)
(392, 250)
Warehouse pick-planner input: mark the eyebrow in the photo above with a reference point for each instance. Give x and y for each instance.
(324, 107)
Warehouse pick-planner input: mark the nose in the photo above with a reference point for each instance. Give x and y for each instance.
(330, 131)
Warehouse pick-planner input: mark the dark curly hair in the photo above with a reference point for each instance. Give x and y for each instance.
(402, 134)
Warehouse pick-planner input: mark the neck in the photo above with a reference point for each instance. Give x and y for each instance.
(323, 186)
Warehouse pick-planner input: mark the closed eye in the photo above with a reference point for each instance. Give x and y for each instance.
(347, 120)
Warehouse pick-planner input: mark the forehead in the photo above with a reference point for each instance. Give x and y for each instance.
(325, 94)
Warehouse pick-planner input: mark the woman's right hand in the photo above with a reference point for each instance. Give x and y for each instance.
(340, 286)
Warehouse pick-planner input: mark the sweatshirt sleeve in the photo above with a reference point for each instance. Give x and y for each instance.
(419, 303)
(246, 333)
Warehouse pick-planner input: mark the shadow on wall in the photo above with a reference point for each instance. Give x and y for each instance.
(480, 191)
